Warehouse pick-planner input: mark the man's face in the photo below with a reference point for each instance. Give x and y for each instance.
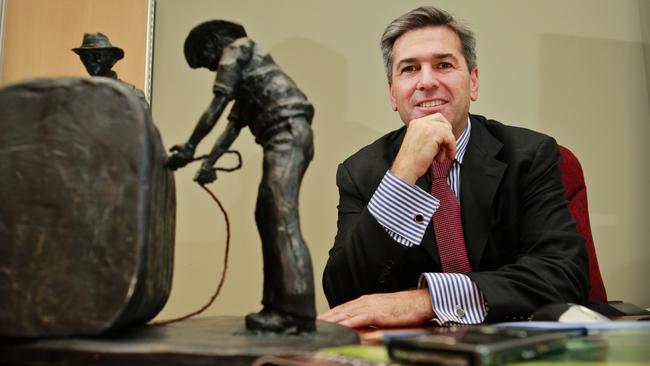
(430, 75)
(98, 62)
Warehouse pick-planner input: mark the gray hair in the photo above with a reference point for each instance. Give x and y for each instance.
(423, 17)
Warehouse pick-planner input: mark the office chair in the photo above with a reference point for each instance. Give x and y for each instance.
(575, 193)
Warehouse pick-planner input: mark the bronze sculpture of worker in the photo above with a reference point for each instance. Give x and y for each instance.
(98, 56)
(279, 115)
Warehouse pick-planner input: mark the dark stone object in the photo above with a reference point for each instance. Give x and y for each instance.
(88, 212)
(196, 342)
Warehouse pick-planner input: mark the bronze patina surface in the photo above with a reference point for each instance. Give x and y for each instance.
(88, 211)
(196, 342)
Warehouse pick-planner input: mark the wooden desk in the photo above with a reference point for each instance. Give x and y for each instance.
(224, 341)
(624, 348)
(194, 342)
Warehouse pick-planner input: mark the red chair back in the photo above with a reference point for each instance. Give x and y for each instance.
(575, 193)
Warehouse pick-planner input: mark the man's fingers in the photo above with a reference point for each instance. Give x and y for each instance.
(441, 155)
(451, 148)
(427, 139)
(333, 316)
(357, 321)
(360, 312)
(446, 148)
(346, 311)
(354, 318)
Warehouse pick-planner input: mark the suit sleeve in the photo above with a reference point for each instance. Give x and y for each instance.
(364, 257)
(551, 262)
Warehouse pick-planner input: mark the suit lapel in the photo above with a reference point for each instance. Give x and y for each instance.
(481, 175)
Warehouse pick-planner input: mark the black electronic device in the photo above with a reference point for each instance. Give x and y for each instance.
(475, 346)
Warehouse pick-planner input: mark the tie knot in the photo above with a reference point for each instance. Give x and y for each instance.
(441, 170)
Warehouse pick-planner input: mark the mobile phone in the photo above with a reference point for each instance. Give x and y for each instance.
(475, 346)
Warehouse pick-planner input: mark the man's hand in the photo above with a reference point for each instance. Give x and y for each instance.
(427, 138)
(182, 155)
(205, 175)
(404, 308)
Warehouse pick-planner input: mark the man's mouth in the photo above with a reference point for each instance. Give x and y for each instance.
(431, 103)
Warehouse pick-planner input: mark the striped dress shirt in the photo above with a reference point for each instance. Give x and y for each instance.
(404, 211)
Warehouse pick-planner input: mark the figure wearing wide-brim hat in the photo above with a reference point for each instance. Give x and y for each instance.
(98, 41)
(98, 56)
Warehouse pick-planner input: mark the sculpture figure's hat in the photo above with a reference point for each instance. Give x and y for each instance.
(218, 34)
(98, 41)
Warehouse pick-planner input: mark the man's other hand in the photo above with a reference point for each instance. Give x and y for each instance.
(427, 138)
(183, 154)
(396, 309)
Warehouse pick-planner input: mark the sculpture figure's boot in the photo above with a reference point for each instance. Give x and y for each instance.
(268, 320)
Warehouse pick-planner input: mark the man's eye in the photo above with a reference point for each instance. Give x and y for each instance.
(445, 65)
(409, 69)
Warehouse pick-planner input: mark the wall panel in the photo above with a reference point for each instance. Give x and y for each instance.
(39, 36)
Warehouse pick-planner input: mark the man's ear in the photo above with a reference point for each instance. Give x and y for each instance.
(391, 93)
(473, 84)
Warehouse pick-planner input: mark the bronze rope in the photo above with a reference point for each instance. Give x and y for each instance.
(225, 259)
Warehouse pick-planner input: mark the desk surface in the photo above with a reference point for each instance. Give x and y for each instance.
(218, 341)
(624, 347)
(619, 347)
(202, 341)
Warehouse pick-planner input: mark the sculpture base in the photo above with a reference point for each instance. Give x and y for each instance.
(201, 341)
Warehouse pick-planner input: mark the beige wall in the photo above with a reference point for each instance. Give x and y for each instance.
(573, 68)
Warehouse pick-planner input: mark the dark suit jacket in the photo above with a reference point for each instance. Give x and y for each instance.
(521, 240)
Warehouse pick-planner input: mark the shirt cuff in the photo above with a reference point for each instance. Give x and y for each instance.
(404, 210)
(455, 298)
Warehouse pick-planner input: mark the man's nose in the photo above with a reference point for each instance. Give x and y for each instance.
(428, 78)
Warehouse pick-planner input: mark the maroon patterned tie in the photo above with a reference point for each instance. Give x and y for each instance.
(447, 223)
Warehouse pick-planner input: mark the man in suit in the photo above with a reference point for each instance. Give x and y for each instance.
(519, 246)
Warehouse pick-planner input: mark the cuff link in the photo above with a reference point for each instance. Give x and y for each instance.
(418, 218)
(459, 311)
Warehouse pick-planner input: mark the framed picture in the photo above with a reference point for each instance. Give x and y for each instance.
(37, 38)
